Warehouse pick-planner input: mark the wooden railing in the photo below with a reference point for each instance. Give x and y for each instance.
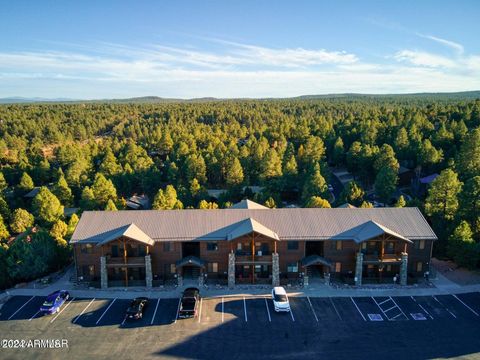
(134, 260)
(385, 258)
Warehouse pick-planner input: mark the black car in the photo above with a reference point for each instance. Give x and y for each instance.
(189, 303)
(136, 308)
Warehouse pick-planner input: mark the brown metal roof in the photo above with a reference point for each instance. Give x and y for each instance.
(287, 223)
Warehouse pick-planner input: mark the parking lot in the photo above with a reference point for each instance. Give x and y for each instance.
(246, 327)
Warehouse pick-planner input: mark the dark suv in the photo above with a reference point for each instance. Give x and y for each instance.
(136, 308)
(189, 303)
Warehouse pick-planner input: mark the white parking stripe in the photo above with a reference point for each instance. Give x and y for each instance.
(384, 301)
(399, 308)
(200, 311)
(21, 307)
(382, 309)
(291, 313)
(178, 310)
(435, 298)
(222, 310)
(354, 303)
(86, 307)
(468, 307)
(268, 310)
(105, 311)
(331, 300)
(33, 317)
(421, 307)
(245, 309)
(51, 321)
(155, 312)
(311, 307)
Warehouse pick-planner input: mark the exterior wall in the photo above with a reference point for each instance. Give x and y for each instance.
(161, 259)
(287, 256)
(416, 255)
(219, 256)
(345, 256)
(86, 259)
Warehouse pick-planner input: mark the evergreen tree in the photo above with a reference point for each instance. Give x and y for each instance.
(317, 202)
(207, 205)
(87, 201)
(25, 185)
(442, 199)
(400, 202)
(270, 166)
(59, 230)
(386, 158)
(315, 185)
(195, 168)
(72, 224)
(21, 221)
(468, 159)
(46, 206)
(352, 193)
(4, 209)
(461, 246)
(110, 166)
(366, 205)
(469, 204)
(3, 183)
(234, 173)
(4, 234)
(103, 190)
(338, 153)
(110, 206)
(167, 199)
(386, 183)
(63, 192)
(270, 203)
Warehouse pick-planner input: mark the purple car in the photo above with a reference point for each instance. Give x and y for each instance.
(54, 302)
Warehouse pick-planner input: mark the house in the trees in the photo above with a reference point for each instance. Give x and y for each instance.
(249, 243)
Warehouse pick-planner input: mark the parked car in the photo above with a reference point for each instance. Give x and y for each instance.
(54, 302)
(189, 303)
(280, 299)
(136, 308)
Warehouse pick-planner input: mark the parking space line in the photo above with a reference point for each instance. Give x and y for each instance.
(178, 310)
(313, 310)
(393, 307)
(124, 319)
(108, 307)
(155, 312)
(291, 314)
(382, 309)
(468, 307)
(435, 298)
(21, 307)
(51, 321)
(268, 310)
(383, 302)
(34, 315)
(222, 311)
(200, 311)
(336, 310)
(354, 303)
(86, 307)
(245, 309)
(399, 308)
(421, 307)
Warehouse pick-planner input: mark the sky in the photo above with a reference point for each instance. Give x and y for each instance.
(227, 49)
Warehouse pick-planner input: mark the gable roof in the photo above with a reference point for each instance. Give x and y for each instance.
(130, 231)
(367, 231)
(287, 223)
(247, 204)
(248, 226)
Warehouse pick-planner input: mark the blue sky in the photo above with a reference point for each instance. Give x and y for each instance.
(113, 49)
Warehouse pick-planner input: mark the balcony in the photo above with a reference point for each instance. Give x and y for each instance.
(131, 261)
(245, 257)
(387, 258)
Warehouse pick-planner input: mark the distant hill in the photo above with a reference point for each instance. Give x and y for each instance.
(463, 95)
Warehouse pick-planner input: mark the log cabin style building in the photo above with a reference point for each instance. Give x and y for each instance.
(249, 243)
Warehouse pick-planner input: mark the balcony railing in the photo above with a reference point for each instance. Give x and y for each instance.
(118, 261)
(387, 258)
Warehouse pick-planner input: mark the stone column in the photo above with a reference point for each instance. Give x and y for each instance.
(201, 280)
(275, 270)
(148, 271)
(231, 270)
(103, 273)
(404, 269)
(179, 280)
(359, 269)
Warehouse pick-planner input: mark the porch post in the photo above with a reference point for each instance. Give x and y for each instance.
(148, 271)
(231, 270)
(359, 268)
(275, 270)
(403, 269)
(103, 273)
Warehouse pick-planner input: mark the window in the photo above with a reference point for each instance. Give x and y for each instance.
(114, 250)
(142, 250)
(338, 245)
(389, 268)
(167, 246)
(292, 267)
(173, 268)
(212, 246)
(88, 272)
(364, 245)
(91, 270)
(212, 267)
(338, 267)
(86, 249)
(389, 247)
(420, 244)
(419, 266)
(292, 245)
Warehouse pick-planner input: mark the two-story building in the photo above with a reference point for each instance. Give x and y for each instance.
(250, 243)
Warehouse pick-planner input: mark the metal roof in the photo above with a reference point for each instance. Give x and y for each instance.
(248, 226)
(367, 231)
(287, 223)
(247, 204)
(130, 231)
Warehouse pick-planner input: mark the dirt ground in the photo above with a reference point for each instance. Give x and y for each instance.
(456, 274)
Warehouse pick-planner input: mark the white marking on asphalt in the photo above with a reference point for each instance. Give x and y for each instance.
(291, 313)
(200, 311)
(21, 307)
(245, 309)
(311, 307)
(421, 307)
(178, 310)
(399, 308)
(86, 307)
(375, 301)
(383, 302)
(124, 319)
(268, 310)
(34, 315)
(364, 319)
(222, 310)
(331, 300)
(393, 307)
(468, 307)
(435, 298)
(108, 307)
(155, 312)
(51, 321)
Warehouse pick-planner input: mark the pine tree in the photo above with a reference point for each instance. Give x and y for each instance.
(338, 153)
(234, 173)
(207, 205)
(315, 185)
(270, 203)
(386, 183)
(400, 202)
(4, 234)
(87, 201)
(59, 230)
(21, 221)
(442, 199)
(468, 159)
(110, 206)
(110, 165)
(25, 185)
(72, 224)
(63, 192)
(103, 190)
(167, 199)
(3, 183)
(469, 204)
(270, 166)
(352, 193)
(46, 206)
(317, 202)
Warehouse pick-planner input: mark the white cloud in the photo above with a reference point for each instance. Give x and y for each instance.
(451, 44)
(421, 58)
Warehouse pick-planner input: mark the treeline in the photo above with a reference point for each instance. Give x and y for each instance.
(94, 156)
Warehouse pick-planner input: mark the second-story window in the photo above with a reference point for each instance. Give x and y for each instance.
(292, 245)
(167, 246)
(338, 245)
(212, 246)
